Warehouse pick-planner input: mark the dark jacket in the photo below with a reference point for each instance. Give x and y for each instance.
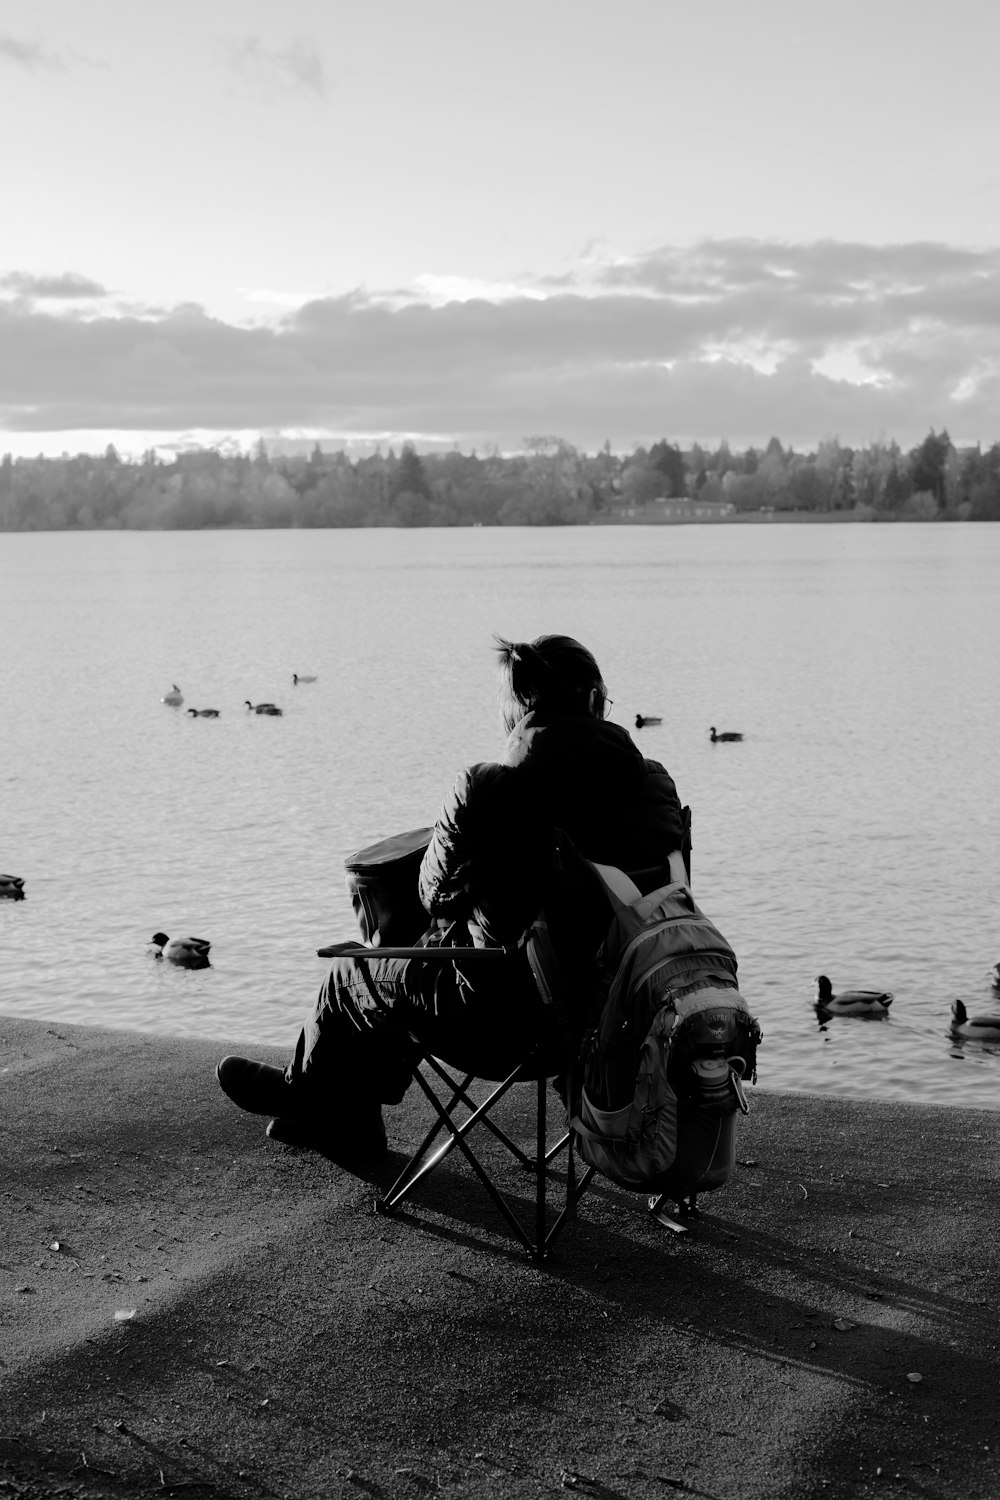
(619, 808)
(491, 851)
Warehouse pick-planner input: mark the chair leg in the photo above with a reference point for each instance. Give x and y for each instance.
(425, 1159)
(460, 1094)
(575, 1189)
(391, 1197)
(420, 1162)
(541, 1181)
(417, 1169)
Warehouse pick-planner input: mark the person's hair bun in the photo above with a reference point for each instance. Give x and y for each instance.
(554, 673)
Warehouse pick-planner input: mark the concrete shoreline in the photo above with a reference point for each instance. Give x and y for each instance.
(187, 1305)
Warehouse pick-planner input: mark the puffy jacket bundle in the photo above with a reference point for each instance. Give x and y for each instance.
(663, 1067)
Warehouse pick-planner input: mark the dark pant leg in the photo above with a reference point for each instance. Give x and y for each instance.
(486, 1017)
(356, 1045)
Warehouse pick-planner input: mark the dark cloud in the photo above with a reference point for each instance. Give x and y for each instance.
(732, 338)
(31, 55)
(276, 70)
(68, 285)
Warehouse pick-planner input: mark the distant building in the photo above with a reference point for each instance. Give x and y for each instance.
(679, 508)
(686, 508)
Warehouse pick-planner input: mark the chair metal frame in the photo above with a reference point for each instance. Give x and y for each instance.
(538, 1239)
(431, 1151)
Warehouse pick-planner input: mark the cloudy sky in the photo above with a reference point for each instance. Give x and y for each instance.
(465, 223)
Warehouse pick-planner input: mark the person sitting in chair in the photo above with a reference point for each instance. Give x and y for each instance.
(487, 870)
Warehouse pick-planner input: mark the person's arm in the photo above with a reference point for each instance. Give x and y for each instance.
(661, 813)
(487, 857)
(449, 870)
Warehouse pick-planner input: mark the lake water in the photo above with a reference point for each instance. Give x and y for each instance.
(855, 831)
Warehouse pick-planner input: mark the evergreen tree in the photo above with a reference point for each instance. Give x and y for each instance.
(410, 477)
(928, 464)
(667, 460)
(898, 488)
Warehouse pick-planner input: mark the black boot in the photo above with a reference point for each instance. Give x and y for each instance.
(344, 1129)
(256, 1087)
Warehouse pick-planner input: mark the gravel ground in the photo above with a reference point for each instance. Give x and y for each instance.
(188, 1307)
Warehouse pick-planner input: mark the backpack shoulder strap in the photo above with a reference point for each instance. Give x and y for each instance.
(621, 889)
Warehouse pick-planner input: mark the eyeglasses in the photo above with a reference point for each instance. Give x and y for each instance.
(609, 704)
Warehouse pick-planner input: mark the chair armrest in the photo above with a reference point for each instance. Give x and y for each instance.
(429, 955)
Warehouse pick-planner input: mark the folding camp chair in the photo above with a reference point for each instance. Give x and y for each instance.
(451, 1094)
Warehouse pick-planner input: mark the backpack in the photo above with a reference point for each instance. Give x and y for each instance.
(664, 1063)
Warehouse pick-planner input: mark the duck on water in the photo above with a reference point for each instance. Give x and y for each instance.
(851, 1002)
(983, 1028)
(186, 952)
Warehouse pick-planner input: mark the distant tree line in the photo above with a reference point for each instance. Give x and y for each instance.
(550, 483)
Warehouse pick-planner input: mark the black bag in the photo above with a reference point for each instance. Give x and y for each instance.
(382, 881)
(664, 1066)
